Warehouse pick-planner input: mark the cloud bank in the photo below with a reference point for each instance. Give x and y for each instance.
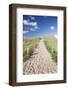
(30, 25)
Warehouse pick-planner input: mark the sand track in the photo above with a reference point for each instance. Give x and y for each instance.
(40, 62)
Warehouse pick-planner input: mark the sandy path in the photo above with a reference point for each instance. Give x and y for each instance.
(40, 62)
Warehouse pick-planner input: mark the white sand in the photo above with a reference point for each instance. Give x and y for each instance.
(40, 62)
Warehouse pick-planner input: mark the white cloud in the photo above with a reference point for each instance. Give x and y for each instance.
(25, 32)
(52, 27)
(32, 29)
(36, 27)
(26, 22)
(33, 26)
(32, 18)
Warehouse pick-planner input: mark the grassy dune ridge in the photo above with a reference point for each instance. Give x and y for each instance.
(51, 44)
(29, 45)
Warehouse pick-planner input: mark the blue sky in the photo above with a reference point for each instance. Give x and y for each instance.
(39, 26)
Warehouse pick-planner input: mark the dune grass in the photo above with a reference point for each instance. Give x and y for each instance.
(51, 44)
(29, 46)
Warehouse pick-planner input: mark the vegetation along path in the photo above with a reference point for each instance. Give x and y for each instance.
(40, 62)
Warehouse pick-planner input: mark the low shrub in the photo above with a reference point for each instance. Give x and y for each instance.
(54, 55)
(25, 57)
(31, 49)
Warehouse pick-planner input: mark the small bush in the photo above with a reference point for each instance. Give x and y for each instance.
(49, 48)
(25, 57)
(31, 49)
(54, 56)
